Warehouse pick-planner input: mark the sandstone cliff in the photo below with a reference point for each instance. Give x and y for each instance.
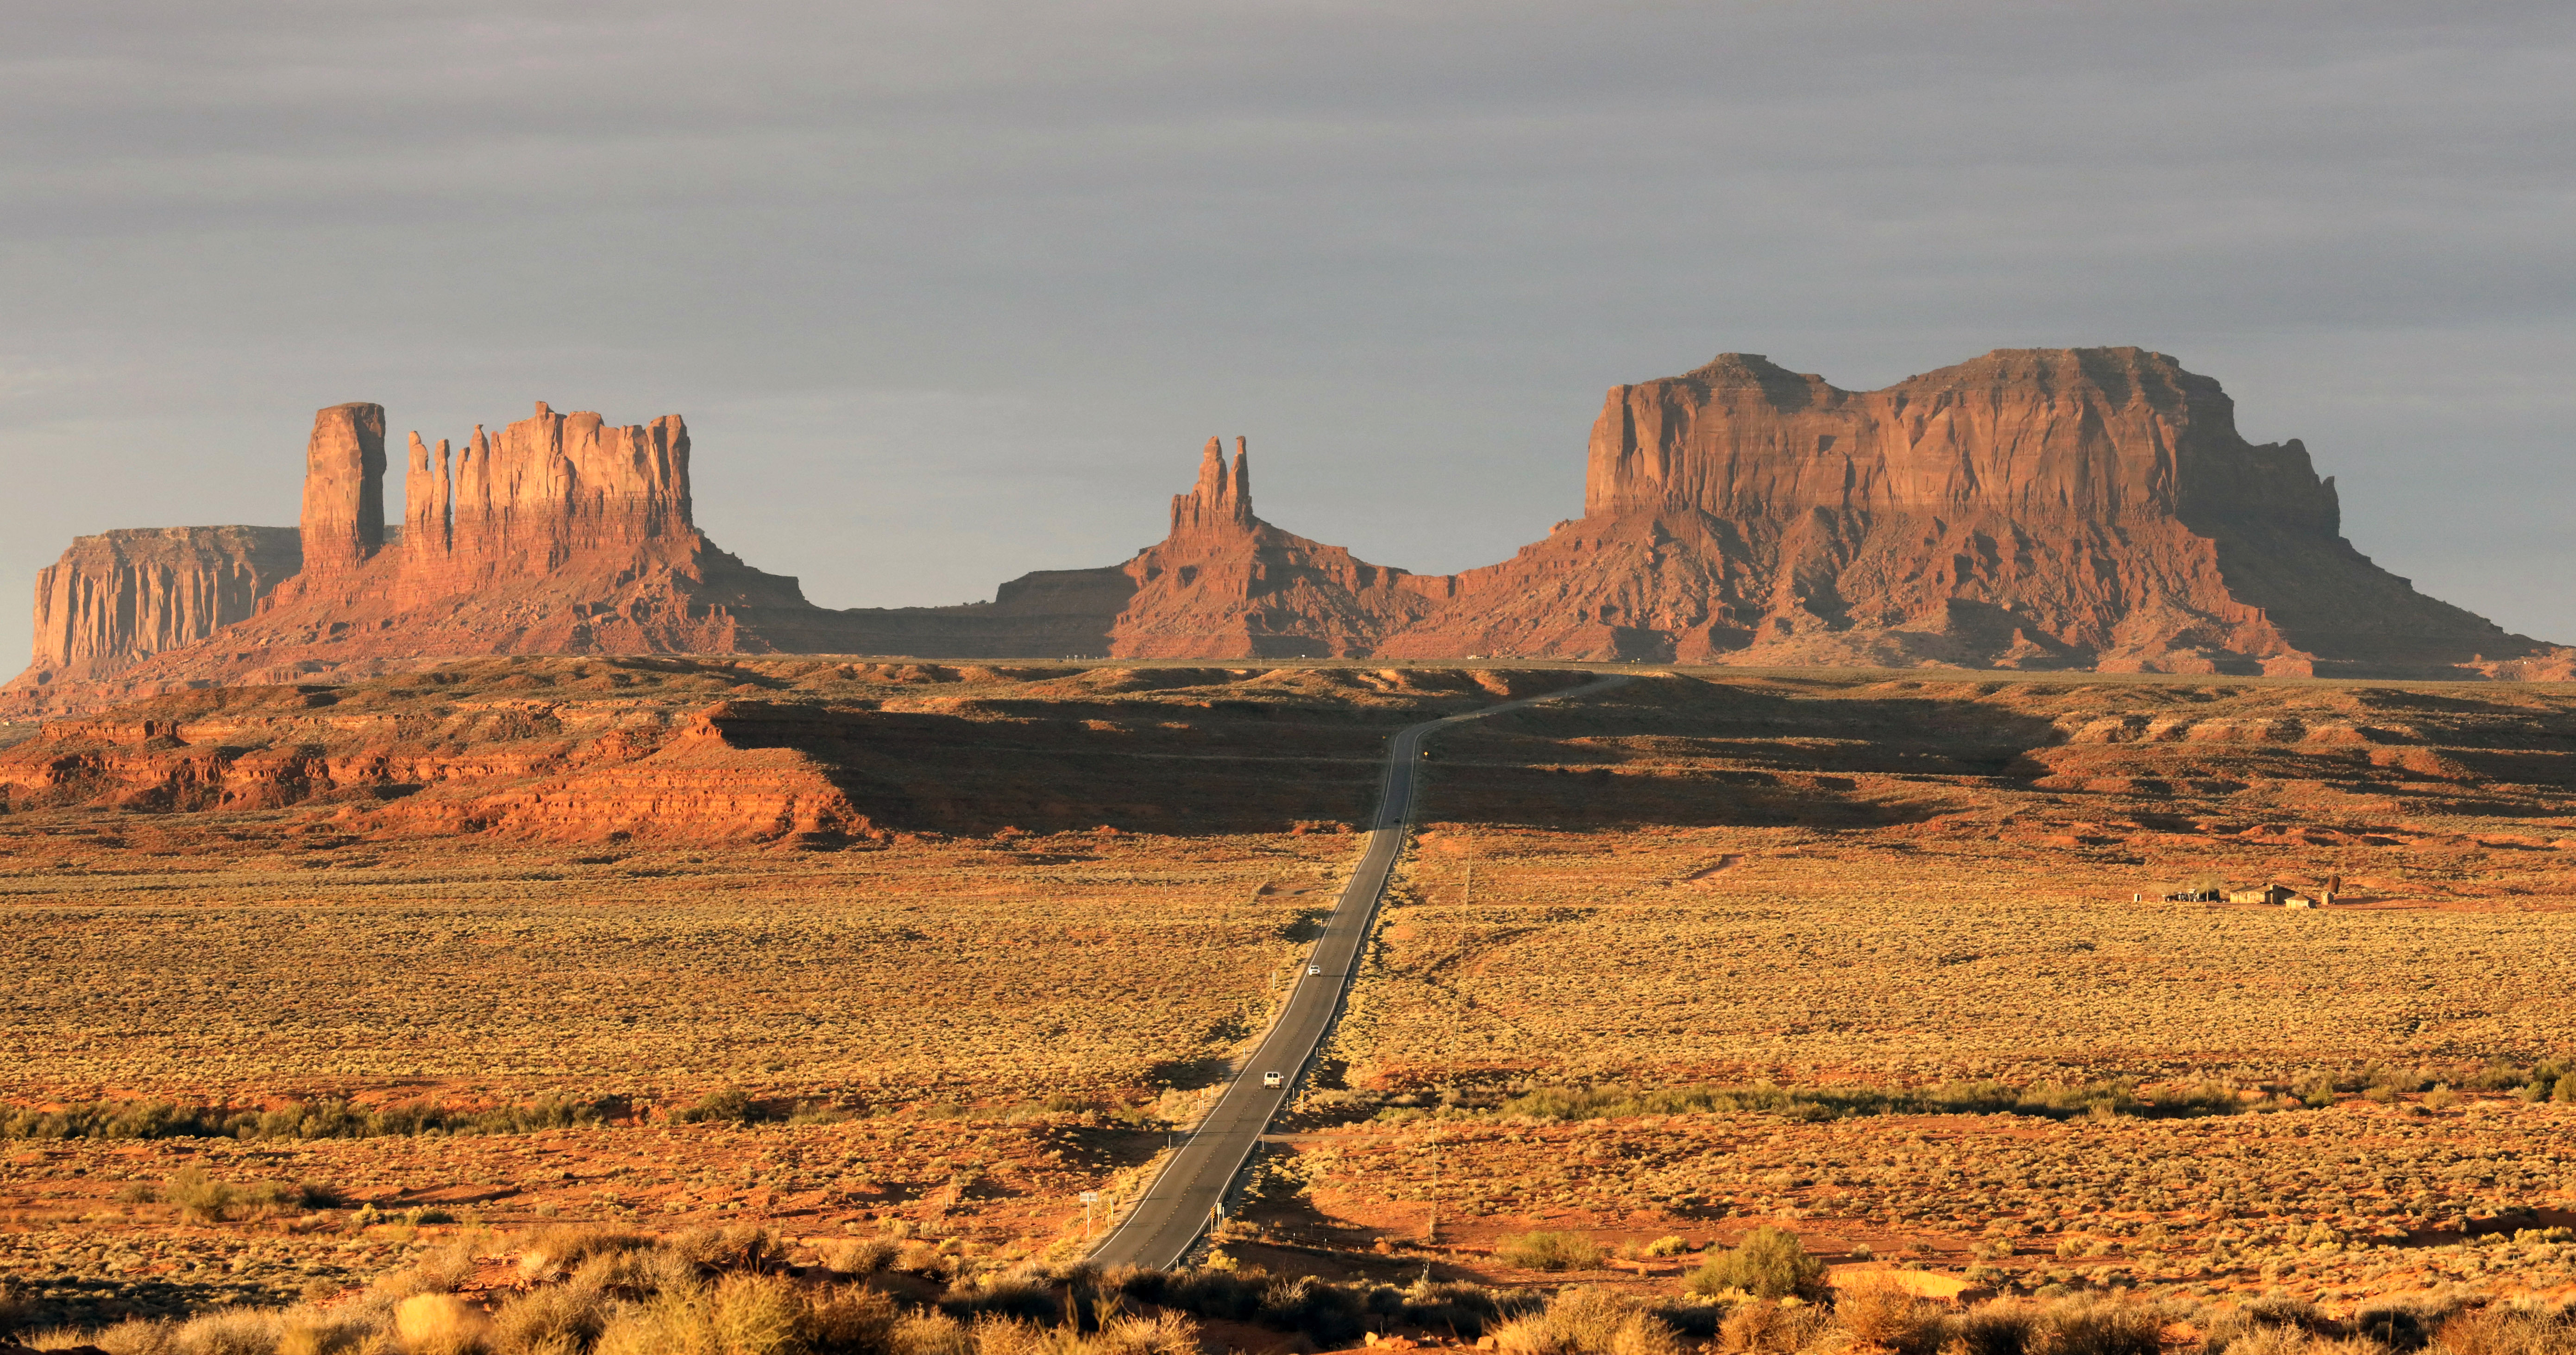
(1225, 584)
(119, 596)
(559, 534)
(789, 750)
(1222, 584)
(2062, 508)
(2033, 508)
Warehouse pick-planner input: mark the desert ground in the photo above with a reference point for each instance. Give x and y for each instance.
(307, 987)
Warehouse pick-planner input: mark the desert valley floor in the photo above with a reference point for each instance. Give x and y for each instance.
(1883, 958)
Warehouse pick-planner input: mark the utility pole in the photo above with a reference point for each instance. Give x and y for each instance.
(1089, 1198)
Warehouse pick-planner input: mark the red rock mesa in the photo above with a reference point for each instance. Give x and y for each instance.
(2033, 508)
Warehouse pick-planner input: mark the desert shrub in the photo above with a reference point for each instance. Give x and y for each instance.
(2204, 1097)
(1766, 1328)
(2397, 1326)
(2281, 1310)
(2053, 1100)
(680, 1322)
(550, 1252)
(1769, 1263)
(555, 1317)
(325, 1119)
(744, 1246)
(2499, 1330)
(759, 1315)
(729, 1105)
(443, 1271)
(200, 1196)
(439, 1324)
(921, 1258)
(852, 1318)
(923, 1333)
(1549, 1251)
(1881, 1313)
(2082, 1327)
(1163, 1333)
(861, 1256)
(1016, 1295)
(635, 1274)
(1997, 1328)
(1586, 1321)
(1328, 1313)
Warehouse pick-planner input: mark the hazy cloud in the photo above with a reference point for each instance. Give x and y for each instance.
(951, 291)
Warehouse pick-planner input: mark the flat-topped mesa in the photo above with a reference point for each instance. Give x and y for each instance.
(1222, 499)
(2034, 433)
(115, 598)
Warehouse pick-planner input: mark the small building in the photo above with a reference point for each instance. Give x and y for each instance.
(2269, 896)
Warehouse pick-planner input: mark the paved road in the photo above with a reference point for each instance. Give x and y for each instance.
(1177, 1207)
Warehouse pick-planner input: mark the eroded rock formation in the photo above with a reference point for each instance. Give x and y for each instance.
(117, 597)
(1224, 584)
(344, 490)
(2031, 508)
(560, 534)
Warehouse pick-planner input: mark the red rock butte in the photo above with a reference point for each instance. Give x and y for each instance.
(2033, 508)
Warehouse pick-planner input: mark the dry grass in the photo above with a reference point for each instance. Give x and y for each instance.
(916, 974)
(1852, 886)
(2335, 1204)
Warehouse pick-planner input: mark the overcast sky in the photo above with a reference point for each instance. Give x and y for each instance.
(949, 291)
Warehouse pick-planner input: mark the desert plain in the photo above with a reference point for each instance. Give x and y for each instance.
(305, 986)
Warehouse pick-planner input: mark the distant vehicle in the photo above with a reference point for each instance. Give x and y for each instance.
(1314, 969)
(1270, 1079)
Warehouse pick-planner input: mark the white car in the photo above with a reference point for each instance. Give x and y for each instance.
(1270, 1079)
(1314, 969)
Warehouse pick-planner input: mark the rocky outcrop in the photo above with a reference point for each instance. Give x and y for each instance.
(780, 749)
(1224, 584)
(2059, 508)
(344, 490)
(560, 534)
(2033, 508)
(115, 598)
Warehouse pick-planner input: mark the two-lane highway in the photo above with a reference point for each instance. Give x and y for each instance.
(1177, 1207)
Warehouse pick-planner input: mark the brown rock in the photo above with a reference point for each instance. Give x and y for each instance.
(2033, 508)
(1226, 584)
(119, 596)
(344, 489)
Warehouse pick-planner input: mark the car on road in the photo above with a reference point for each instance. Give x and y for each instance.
(1270, 1079)
(1314, 969)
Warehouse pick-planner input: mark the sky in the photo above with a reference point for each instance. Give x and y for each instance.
(952, 291)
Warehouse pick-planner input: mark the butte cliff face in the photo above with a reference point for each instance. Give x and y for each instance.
(121, 596)
(2033, 508)
(560, 533)
(1224, 584)
(2063, 508)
